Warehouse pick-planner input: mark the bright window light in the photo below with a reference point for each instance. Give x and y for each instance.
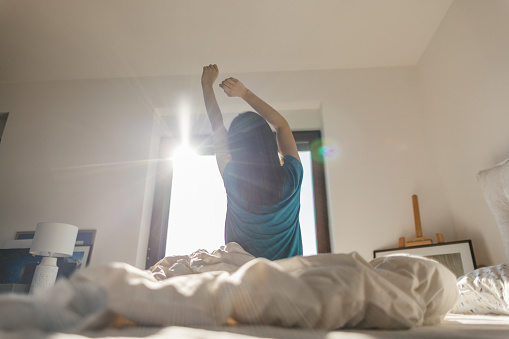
(198, 205)
(184, 152)
(307, 207)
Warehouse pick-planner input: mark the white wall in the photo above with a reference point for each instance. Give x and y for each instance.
(375, 119)
(73, 152)
(76, 152)
(465, 84)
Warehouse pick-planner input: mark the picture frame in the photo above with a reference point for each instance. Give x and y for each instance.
(24, 235)
(80, 256)
(458, 256)
(17, 266)
(84, 237)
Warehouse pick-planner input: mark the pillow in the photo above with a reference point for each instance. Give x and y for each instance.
(495, 187)
(484, 291)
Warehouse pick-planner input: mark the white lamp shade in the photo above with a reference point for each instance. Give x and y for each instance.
(54, 239)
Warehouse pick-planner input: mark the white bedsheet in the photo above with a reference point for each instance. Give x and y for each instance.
(326, 291)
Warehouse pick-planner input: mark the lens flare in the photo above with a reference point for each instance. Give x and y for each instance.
(322, 149)
(328, 151)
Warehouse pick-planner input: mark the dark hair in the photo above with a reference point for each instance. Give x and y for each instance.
(254, 154)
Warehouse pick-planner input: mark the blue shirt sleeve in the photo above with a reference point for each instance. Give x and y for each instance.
(294, 170)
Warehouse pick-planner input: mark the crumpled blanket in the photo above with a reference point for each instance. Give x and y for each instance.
(227, 258)
(326, 291)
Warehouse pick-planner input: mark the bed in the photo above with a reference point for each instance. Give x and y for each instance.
(452, 327)
(230, 294)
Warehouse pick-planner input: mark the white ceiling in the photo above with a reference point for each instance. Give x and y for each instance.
(77, 39)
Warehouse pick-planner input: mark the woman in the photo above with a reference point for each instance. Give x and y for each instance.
(263, 192)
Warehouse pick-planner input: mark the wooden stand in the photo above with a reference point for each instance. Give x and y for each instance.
(419, 239)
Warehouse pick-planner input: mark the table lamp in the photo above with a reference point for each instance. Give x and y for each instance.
(51, 240)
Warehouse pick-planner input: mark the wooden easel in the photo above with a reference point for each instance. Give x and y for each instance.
(419, 239)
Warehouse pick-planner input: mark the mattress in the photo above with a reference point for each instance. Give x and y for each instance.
(454, 326)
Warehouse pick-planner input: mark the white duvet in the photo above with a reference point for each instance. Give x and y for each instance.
(327, 291)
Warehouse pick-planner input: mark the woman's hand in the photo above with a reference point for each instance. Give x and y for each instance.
(233, 88)
(209, 75)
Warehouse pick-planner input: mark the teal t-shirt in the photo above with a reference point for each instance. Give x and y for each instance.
(275, 232)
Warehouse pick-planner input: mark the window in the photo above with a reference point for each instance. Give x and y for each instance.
(198, 208)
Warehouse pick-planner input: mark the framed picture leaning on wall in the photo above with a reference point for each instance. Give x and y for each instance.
(82, 250)
(458, 256)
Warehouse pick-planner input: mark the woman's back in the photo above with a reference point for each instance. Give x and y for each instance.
(273, 231)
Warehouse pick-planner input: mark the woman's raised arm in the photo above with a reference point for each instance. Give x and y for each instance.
(215, 116)
(284, 136)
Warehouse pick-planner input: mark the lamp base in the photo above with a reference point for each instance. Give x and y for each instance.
(45, 275)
